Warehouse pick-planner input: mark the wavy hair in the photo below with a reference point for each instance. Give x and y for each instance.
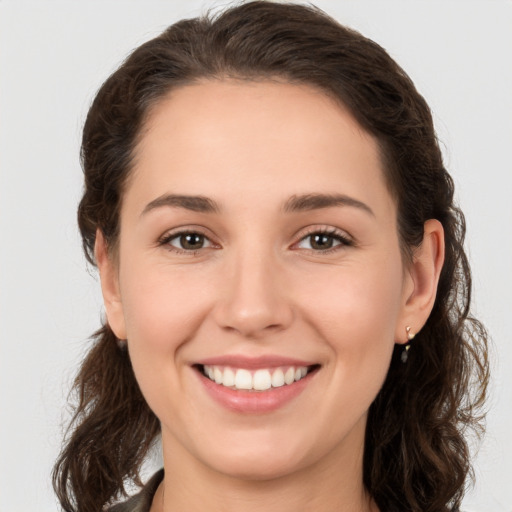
(416, 454)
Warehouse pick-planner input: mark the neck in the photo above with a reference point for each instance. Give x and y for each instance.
(333, 484)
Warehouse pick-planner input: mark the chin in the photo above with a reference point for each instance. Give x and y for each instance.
(257, 468)
(259, 459)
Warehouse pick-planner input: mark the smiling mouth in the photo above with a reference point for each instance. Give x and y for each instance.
(262, 379)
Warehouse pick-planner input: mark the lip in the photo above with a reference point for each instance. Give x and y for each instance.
(254, 363)
(254, 402)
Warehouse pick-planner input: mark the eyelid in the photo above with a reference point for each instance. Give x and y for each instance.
(184, 230)
(346, 239)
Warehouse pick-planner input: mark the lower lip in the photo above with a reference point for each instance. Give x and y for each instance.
(254, 402)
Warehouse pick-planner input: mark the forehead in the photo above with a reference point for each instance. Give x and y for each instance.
(259, 139)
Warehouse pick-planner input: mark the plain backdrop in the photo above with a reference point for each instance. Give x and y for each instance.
(53, 57)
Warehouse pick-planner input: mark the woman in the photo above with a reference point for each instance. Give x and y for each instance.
(286, 291)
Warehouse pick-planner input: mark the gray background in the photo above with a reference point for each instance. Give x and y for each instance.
(53, 57)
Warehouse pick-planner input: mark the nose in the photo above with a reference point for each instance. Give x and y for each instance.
(253, 301)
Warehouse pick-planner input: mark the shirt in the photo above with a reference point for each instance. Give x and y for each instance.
(141, 502)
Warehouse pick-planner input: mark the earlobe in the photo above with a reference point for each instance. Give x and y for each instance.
(424, 273)
(110, 286)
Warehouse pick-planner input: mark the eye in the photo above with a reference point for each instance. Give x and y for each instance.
(323, 241)
(187, 241)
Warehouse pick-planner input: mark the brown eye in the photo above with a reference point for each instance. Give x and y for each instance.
(321, 241)
(192, 241)
(189, 241)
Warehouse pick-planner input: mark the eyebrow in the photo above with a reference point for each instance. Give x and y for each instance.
(194, 203)
(296, 203)
(309, 202)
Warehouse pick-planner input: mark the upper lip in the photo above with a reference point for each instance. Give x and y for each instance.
(250, 363)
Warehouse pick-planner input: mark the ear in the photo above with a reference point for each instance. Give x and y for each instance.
(110, 286)
(420, 288)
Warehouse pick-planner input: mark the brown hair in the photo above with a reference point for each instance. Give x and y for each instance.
(416, 457)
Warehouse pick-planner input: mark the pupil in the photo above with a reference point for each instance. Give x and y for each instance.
(192, 241)
(321, 241)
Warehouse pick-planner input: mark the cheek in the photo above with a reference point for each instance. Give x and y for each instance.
(358, 308)
(161, 306)
(355, 318)
(163, 310)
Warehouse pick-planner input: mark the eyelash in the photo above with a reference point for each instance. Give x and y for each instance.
(335, 234)
(343, 239)
(167, 238)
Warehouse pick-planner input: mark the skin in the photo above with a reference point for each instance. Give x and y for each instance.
(258, 286)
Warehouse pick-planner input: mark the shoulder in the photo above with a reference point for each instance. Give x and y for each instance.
(141, 502)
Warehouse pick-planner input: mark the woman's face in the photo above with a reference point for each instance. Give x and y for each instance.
(258, 245)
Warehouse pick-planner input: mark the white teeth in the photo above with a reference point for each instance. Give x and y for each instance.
(229, 378)
(289, 376)
(243, 379)
(262, 380)
(259, 380)
(278, 378)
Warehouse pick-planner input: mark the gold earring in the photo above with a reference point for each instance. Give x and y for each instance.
(405, 352)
